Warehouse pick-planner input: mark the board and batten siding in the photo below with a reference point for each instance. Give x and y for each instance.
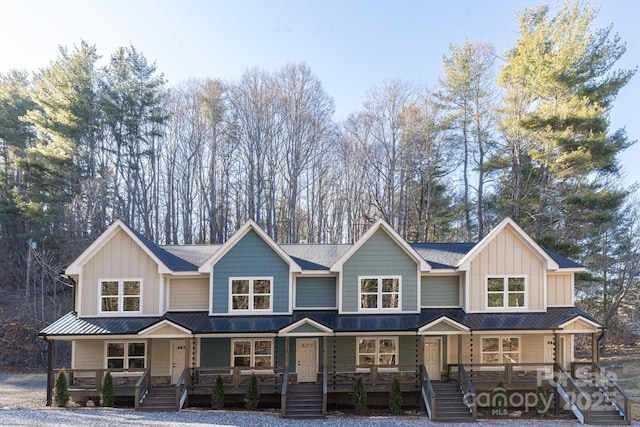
(506, 254)
(88, 354)
(120, 258)
(316, 292)
(188, 294)
(251, 257)
(380, 256)
(560, 289)
(440, 291)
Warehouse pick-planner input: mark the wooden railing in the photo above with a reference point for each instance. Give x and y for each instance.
(508, 373)
(468, 390)
(325, 376)
(142, 387)
(595, 374)
(569, 390)
(428, 393)
(181, 388)
(374, 375)
(91, 379)
(234, 377)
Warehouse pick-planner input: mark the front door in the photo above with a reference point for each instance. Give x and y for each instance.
(178, 359)
(549, 355)
(307, 360)
(432, 358)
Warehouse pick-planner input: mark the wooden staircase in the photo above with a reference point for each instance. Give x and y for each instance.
(159, 399)
(603, 410)
(304, 401)
(450, 405)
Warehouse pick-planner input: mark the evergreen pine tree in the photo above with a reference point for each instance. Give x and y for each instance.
(360, 397)
(106, 391)
(217, 398)
(253, 394)
(395, 398)
(61, 392)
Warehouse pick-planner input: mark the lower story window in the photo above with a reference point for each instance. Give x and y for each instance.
(377, 351)
(254, 353)
(500, 350)
(126, 355)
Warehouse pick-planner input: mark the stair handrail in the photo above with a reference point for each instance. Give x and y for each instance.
(469, 391)
(428, 394)
(611, 382)
(581, 413)
(142, 387)
(283, 394)
(181, 389)
(325, 375)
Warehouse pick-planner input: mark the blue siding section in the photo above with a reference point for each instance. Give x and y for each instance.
(316, 292)
(251, 257)
(440, 291)
(215, 352)
(380, 256)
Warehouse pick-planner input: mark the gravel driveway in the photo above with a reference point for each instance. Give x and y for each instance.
(22, 398)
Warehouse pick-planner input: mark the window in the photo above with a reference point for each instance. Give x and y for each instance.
(377, 351)
(126, 355)
(501, 350)
(120, 296)
(254, 353)
(251, 294)
(506, 292)
(379, 293)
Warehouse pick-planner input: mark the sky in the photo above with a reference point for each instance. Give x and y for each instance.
(350, 45)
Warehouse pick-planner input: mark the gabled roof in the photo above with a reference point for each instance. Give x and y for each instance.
(310, 326)
(166, 261)
(382, 225)
(237, 236)
(508, 223)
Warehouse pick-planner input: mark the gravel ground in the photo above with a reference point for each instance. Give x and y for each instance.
(22, 399)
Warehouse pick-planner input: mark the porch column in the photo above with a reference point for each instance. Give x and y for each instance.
(595, 351)
(286, 354)
(148, 349)
(324, 352)
(50, 359)
(459, 349)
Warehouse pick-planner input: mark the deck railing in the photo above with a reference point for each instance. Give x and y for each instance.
(428, 393)
(91, 379)
(142, 387)
(571, 392)
(181, 388)
(469, 391)
(530, 374)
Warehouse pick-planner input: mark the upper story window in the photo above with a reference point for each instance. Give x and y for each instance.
(120, 296)
(506, 292)
(251, 293)
(126, 355)
(379, 293)
(252, 353)
(500, 350)
(377, 351)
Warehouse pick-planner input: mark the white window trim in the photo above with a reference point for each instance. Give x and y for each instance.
(253, 355)
(251, 309)
(381, 368)
(505, 292)
(120, 295)
(500, 338)
(379, 309)
(125, 363)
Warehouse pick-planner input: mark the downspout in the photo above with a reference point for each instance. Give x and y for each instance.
(49, 368)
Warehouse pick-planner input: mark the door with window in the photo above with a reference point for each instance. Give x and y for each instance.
(307, 360)
(178, 359)
(432, 359)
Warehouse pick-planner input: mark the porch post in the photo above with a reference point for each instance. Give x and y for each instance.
(595, 351)
(459, 349)
(324, 352)
(149, 356)
(286, 354)
(50, 359)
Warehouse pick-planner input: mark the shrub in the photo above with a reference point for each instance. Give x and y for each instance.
(395, 398)
(217, 398)
(61, 390)
(106, 391)
(360, 397)
(500, 400)
(252, 397)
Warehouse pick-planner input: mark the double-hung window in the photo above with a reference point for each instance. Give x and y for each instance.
(379, 293)
(126, 355)
(251, 293)
(381, 351)
(120, 295)
(500, 350)
(506, 292)
(256, 354)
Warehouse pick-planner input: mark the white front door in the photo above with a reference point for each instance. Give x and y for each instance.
(549, 355)
(307, 360)
(432, 358)
(178, 359)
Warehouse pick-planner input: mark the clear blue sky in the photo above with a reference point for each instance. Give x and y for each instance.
(350, 45)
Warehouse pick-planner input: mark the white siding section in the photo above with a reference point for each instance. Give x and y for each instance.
(189, 294)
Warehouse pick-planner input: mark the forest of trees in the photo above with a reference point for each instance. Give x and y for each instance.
(527, 136)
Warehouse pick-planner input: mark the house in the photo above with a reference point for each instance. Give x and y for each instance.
(308, 319)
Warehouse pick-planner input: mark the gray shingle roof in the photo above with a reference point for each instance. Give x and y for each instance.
(315, 256)
(200, 322)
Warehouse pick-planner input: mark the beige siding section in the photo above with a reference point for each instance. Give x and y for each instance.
(120, 258)
(531, 351)
(506, 254)
(189, 294)
(559, 289)
(88, 354)
(160, 355)
(579, 325)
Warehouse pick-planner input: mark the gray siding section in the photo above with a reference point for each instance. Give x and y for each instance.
(407, 349)
(380, 256)
(440, 291)
(251, 257)
(215, 352)
(316, 292)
